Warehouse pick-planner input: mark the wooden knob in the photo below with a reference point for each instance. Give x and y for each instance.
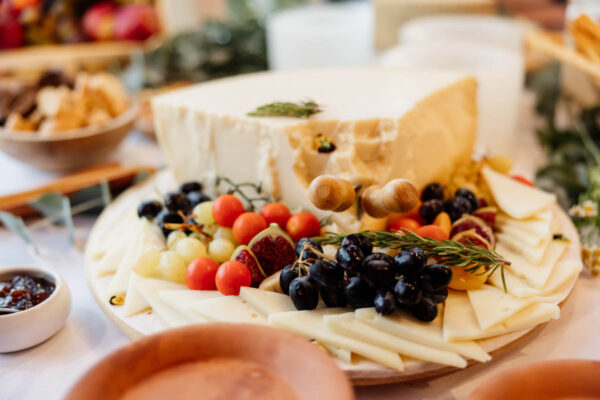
(330, 193)
(397, 196)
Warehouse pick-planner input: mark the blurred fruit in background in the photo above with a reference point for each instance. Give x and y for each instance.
(135, 22)
(99, 21)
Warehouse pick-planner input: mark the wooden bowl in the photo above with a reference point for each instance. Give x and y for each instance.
(216, 361)
(77, 148)
(557, 379)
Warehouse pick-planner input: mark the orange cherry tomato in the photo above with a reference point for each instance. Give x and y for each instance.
(231, 276)
(433, 232)
(443, 221)
(248, 225)
(226, 209)
(200, 274)
(404, 223)
(303, 224)
(276, 213)
(523, 180)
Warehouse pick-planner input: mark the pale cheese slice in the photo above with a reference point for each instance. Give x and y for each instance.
(149, 289)
(180, 299)
(536, 275)
(514, 198)
(135, 302)
(150, 237)
(110, 262)
(345, 324)
(562, 274)
(428, 334)
(526, 238)
(492, 305)
(341, 354)
(460, 322)
(310, 325)
(267, 302)
(533, 254)
(227, 309)
(538, 225)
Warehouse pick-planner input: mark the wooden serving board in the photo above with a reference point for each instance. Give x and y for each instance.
(362, 372)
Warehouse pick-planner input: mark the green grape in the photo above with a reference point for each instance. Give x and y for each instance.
(190, 249)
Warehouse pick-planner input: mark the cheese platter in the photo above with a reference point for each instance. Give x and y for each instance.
(398, 268)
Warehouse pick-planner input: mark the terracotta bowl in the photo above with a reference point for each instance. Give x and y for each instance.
(557, 379)
(77, 149)
(216, 361)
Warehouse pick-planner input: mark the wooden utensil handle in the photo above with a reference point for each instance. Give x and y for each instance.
(396, 196)
(328, 192)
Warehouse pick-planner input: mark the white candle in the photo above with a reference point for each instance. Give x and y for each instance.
(499, 74)
(321, 36)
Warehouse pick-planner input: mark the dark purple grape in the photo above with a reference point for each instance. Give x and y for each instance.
(308, 254)
(287, 275)
(149, 209)
(361, 241)
(359, 293)
(326, 273)
(189, 187)
(438, 296)
(175, 201)
(304, 293)
(167, 217)
(430, 209)
(410, 262)
(456, 207)
(467, 194)
(432, 191)
(350, 258)
(407, 292)
(425, 310)
(379, 269)
(385, 302)
(333, 296)
(435, 277)
(196, 198)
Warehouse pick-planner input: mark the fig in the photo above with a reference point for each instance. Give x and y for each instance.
(472, 236)
(468, 222)
(487, 214)
(273, 249)
(462, 279)
(135, 22)
(244, 255)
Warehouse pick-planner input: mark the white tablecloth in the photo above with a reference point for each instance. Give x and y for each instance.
(48, 370)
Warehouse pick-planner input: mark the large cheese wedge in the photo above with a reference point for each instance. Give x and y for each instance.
(460, 322)
(346, 325)
(148, 289)
(150, 237)
(267, 302)
(310, 325)
(381, 122)
(180, 300)
(428, 334)
(492, 305)
(227, 309)
(514, 198)
(536, 275)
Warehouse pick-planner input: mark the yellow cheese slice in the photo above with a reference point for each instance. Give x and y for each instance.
(310, 325)
(227, 309)
(267, 302)
(533, 254)
(428, 334)
(514, 198)
(180, 299)
(345, 324)
(492, 305)
(460, 322)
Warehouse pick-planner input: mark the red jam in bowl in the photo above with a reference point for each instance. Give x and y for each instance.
(23, 291)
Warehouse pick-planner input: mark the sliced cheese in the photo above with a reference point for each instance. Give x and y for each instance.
(135, 302)
(492, 305)
(460, 322)
(110, 262)
(345, 324)
(150, 237)
(429, 334)
(267, 302)
(227, 309)
(149, 289)
(526, 238)
(310, 325)
(180, 299)
(533, 254)
(341, 354)
(538, 225)
(514, 198)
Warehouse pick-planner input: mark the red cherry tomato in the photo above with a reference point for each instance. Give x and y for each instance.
(276, 213)
(248, 225)
(432, 232)
(226, 209)
(404, 223)
(523, 180)
(200, 274)
(303, 224)
(231, 276)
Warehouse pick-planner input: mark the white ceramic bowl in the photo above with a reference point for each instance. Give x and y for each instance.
(27, 328)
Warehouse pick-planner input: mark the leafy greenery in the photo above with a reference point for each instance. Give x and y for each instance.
(286, 109)
(57, 209)
(18, 227)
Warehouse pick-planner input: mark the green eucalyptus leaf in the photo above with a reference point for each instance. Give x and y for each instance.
(57, 209)
(18, 227)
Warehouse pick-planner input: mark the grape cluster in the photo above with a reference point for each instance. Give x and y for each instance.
(175, 203)
(361, 278)
(432, 196)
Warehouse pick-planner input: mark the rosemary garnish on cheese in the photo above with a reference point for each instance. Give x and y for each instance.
(287, 109)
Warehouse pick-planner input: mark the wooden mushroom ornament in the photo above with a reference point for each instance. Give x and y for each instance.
(328, 192)
(397, 196)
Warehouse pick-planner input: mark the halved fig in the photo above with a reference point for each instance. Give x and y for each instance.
(462, 279)
(487, 214)
(273, 249)
(244, 255)
(471, 236)
(468, 222)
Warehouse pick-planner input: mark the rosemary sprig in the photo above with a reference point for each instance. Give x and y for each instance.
(287, 109)
(452, 253)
